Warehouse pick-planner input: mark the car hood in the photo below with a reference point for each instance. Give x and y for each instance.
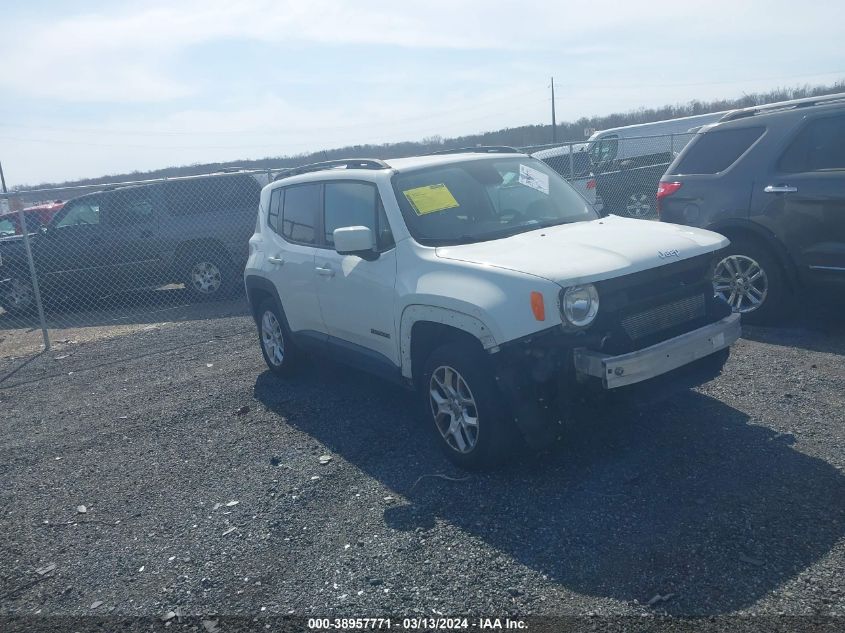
(584, 252)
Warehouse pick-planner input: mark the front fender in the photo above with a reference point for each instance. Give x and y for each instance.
(446, 316)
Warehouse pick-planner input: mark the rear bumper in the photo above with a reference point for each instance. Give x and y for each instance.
(661, 358)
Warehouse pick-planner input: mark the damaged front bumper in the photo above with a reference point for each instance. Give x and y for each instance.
(659, 359)
(548, 378)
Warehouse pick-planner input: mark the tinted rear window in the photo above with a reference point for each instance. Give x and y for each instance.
(717, 150)
(819, 146)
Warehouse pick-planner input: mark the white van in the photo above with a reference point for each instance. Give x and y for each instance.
(572, 161)
(646, 143)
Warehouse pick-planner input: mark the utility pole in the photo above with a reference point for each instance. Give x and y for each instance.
(554, 122)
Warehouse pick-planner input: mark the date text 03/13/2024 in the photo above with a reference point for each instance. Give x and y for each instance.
(415, 624)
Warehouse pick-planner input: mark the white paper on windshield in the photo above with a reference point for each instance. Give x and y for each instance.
(534, 178)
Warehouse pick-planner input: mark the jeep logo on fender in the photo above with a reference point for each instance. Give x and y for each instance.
(665, 254)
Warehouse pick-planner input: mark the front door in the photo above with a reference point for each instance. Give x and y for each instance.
(803, 198)
(72, 257)
(357, 296)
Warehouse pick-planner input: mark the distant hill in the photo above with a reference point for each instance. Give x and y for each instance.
(524, 136)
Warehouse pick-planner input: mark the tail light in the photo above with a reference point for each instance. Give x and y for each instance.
(665, 189)
(591, 183)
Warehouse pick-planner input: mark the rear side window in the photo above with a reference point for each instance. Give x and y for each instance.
(212, 195)
(819, 146)
(717, 150)
(300, 212)
(131, 206)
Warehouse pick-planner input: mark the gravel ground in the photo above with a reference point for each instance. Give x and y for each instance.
(204, 489)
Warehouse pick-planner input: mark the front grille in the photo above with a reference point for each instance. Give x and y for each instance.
(664, 317)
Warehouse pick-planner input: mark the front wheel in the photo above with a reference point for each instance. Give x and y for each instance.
(17, 297)
(460, 397)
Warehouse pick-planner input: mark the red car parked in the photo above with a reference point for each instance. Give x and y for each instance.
(36, 216)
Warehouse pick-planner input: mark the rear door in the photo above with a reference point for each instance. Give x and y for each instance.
(803, 197)
(293, 218)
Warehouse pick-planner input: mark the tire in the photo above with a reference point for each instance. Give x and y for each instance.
(639, 205)
(457, 381)
(751, 280)
(277, 346)
(207, 275)
(17, 296)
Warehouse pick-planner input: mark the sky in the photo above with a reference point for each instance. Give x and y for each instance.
(89, 88)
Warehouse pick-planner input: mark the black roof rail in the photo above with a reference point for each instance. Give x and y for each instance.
(478, 149)
(806, 102)
(346, 163)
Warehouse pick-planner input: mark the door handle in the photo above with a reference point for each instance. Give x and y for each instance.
(780, 189)
(276, 260)
(325, 271)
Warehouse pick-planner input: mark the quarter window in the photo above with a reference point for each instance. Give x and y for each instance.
(819, 146)
(716, 150)
(300, 213)
(275, 210)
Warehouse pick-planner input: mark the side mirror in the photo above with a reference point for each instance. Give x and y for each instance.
(355, 240)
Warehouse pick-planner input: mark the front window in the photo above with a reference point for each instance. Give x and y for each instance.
(82, 213)
(479, 200)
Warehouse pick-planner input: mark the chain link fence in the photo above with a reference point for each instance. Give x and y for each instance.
(97, 261)
(616, 175)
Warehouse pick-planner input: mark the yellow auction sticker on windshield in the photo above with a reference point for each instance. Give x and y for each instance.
(431, 198)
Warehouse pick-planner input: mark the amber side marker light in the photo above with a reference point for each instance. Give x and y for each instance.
(538, 307)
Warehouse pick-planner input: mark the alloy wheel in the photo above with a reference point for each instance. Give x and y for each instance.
(206, 278)
(454, 409)
(272, 339)
(20, 294)
(639, 205)
(742, 282)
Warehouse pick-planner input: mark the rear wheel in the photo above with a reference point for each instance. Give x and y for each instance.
(460, 397)
(276, 343)
(641, 206)
(207, 275)
(751, 281)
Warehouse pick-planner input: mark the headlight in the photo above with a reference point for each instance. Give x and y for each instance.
(580, 305)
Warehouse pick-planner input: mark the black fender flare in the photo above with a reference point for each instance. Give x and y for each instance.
(254, 283)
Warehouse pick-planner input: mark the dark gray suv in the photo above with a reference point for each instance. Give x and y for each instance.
(193, 230)
(771, 179)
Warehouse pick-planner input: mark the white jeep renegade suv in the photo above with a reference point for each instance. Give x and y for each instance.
(484, 281)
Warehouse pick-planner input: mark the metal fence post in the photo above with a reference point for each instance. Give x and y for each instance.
(34, 276)
(571, 163)
(672, 145)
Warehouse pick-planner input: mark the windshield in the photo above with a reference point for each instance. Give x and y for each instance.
(479, 200)
(7, 227)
